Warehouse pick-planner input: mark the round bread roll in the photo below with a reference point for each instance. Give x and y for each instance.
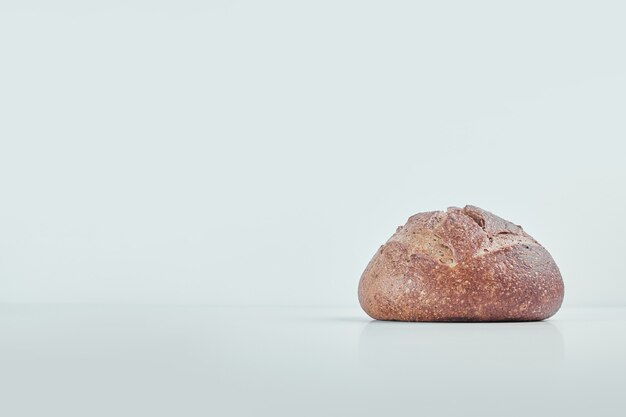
(461, 265)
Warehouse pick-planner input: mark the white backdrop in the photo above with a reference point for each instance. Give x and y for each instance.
(260, 152)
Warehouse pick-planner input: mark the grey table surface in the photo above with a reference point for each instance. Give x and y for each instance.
(168, 360)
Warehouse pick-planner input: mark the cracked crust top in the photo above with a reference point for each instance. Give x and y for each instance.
(461, 265)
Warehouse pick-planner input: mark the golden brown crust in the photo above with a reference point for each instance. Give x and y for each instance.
(461, 265)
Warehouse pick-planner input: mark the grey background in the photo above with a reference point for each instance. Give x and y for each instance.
(260, 152)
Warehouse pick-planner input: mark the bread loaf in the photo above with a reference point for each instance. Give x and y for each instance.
(461, 265)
